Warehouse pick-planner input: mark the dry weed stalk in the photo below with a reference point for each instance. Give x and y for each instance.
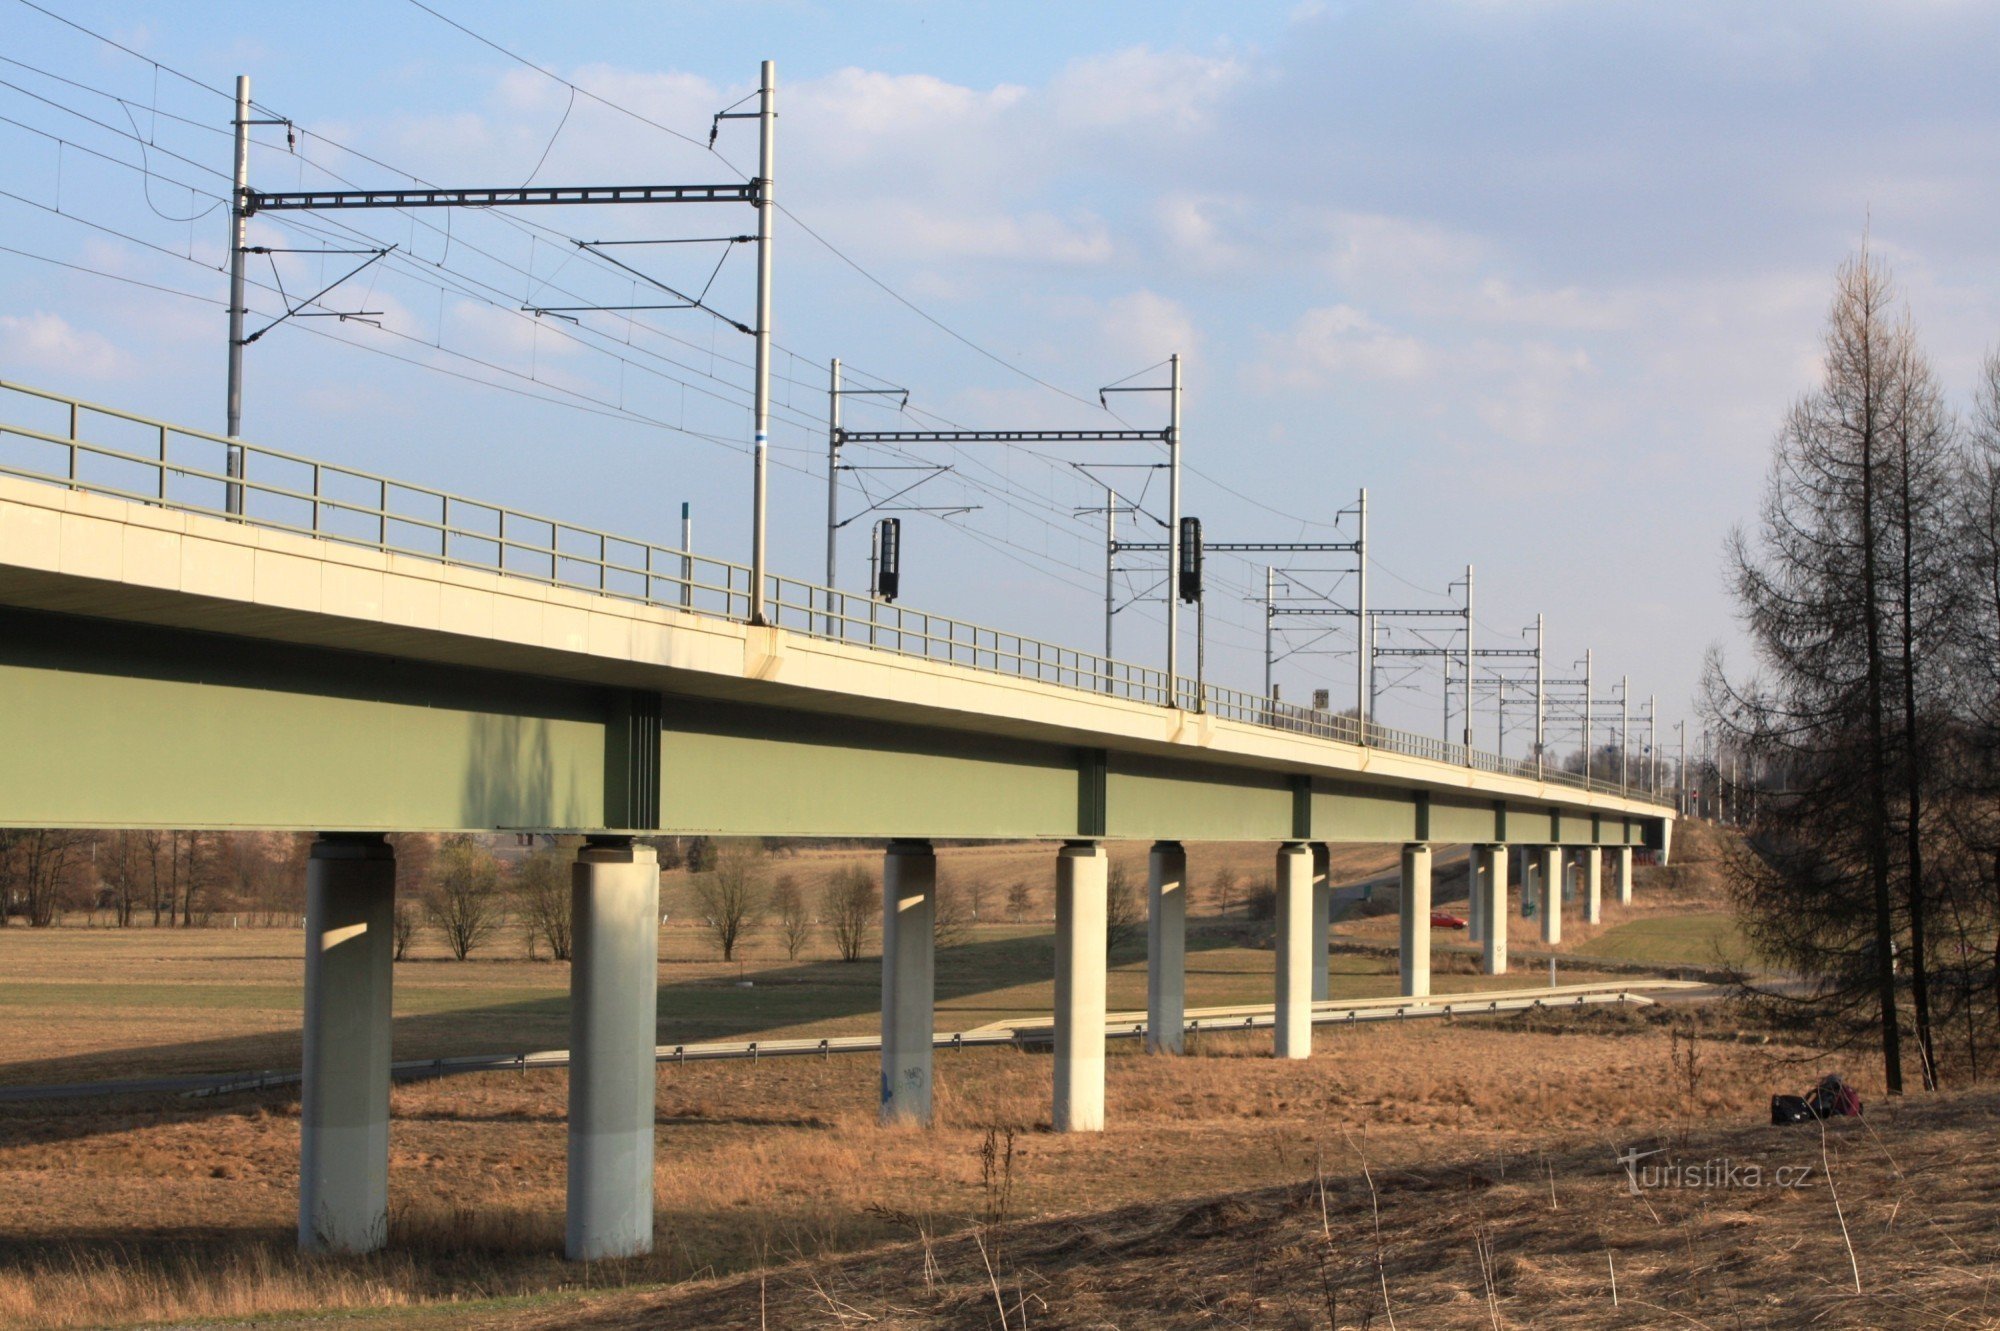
(1482, 1247)
(1375, 1206)
(1684, 1052)
(999, 1301)
(1827, 1165)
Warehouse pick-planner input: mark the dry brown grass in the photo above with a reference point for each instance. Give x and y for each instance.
(181, 1211)
(1498, 1239)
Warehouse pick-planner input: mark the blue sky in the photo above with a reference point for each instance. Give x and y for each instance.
(1543, 276)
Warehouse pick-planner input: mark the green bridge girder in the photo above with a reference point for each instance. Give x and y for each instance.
(117, 724)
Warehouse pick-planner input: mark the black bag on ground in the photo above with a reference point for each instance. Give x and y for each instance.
(1791, 1109)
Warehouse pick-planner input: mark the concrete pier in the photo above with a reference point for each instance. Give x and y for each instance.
(1293, 879)
(1624, 875)
(1531, 880)
(344, 1096)
(1549, 870)
(614, 984)
(1593, 886)
(909, 908)
(1322, 916)
(1477, 868)
(1080, 942)
(1493, 910)
(1166, 947)
(1416, 921)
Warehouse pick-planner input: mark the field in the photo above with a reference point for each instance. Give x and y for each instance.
(126, 1209)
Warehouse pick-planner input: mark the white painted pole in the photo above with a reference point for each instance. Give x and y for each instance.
(614, 983)
(767, 212)
(1174, 533)
(344, 1093)
(909, 911)
(239, 232)
(1166, 947)
(1364, 635)
(1081, 876)
(1416, 921)
(832, 492)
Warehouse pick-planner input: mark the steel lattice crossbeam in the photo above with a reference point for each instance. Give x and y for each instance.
(1294, 547)
(1003, 436)
(255, 202)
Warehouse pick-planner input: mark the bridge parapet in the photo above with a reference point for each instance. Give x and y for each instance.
(52, 438)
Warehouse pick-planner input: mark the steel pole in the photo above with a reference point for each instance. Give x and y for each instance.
(239, 230)
(1110, 575)
(687, 554)
(1270, 591)
(1174, 532)
(1371, 672)
(767, 124)
(1624, 732)
(1539, 705)
(1653, 742)
(1681, 785)
(1589, 668)
(1468, 665)
(832, 470)
(1364, 637)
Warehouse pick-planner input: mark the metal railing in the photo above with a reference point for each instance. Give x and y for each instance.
(153, 462)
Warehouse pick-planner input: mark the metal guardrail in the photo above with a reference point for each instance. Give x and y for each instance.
(154, 462)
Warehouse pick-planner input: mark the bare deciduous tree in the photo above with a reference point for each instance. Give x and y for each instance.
(730, 893)
(853, 909)
(1018, 902)
(403, 928)
(795, 921)
(542, 900)
(1124, 916)
(462, 900)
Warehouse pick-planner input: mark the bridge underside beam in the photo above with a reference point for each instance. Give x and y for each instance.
(128, 725)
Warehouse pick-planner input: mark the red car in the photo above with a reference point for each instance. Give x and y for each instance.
(1444, 919)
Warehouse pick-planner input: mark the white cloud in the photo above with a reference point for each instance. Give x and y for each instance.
(909, 229)
(46, 342)
(1335, 342)
(1161, 90)
(1145, 326)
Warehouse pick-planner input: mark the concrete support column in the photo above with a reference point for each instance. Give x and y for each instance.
(1531, 880)
(1624, 875)
(1493, 911)
(1416, 948)
(1549, 871)
(614, 985)
(1478, 868)
(909, 908)
(1166, 947)
(1292, 1030)
(1322, 917)
(1081, 873)
(344, 1097)
(1593, 886)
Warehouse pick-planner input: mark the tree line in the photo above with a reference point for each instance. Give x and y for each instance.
(1869, 587)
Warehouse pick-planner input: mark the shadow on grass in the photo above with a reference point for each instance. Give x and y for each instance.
(745, 1006)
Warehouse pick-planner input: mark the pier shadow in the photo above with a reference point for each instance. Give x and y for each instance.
(753, 1004)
